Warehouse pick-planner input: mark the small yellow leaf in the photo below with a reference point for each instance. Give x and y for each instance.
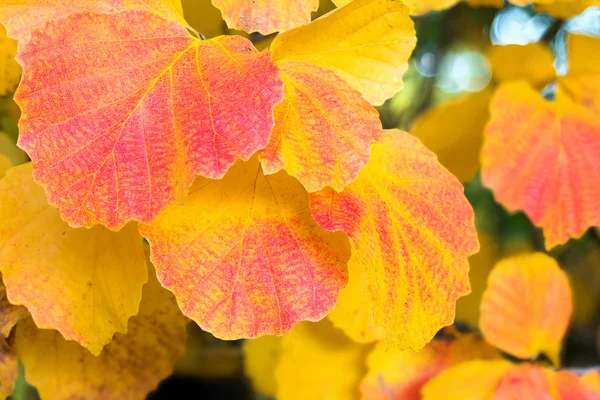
(261, 357)
(367, 43)
(319, 363)
(85, 283)
(566, 9)
(10, 70)
(526, 307)
(535, 63)
(129, 367)
(454, 132)
(583, 54)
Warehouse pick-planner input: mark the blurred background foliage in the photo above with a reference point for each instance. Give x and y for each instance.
(462, 53)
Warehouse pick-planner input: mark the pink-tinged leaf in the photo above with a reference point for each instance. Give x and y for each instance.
(244, 257)
(413, 232)
(122, 111)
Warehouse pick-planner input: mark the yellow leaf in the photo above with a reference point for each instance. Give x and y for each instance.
(5, 164)
(318, 362)
(480, 265)
(473, 380)
(566, 9)
(417, 7)
(583, 54)
(454, 132)
(10, 70)
(413, 231)
(526, 307)
(367, 43)
(8, 369)
(10, 314)
(353, 313)
(535, 63)
(397, 374)
(129, 367)
(85, 283)
(485, 3)
(261, 357)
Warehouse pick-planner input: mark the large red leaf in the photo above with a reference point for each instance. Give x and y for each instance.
(122, 111)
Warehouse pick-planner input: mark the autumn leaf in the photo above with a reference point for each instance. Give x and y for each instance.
(566, 9)
(400, 374)
(72, 280)
(454, 132)
(261, 357)
(21, 17)
(413, 247)
(526, 307)
(244, 257)
(10, 71)
(417, 7)
(541, 157)
(265, 16)
(319, 362)
(323, 129)
(129, 367)
(536, 63)
(9, 316)
(574, 387)
(353, 313)
(367, 43)
(144, 108)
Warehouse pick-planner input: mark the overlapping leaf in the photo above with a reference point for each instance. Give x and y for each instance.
(367, 43)
(413, 247)
(541, 157)
(397, 374)
(244, 256)
(84, 283)
(10, 71)
(527, 306)
(323, 129)
(122, 111)
(266, 16)
(23, 16)
(130, 367)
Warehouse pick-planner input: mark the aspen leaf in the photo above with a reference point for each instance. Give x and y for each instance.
(23, 16)
(123, 134)
(85, 283)
(526, 307)
(536, 63)
(353, 313)
(129, 367)
(261, 357)
(470, 380)
(323, 129)
(265, 16)
(541, 157)
(10, 71)
(400, 374)
(412, 230)
(367, 43)
(319, 362)
(454, 132)
(244, 257)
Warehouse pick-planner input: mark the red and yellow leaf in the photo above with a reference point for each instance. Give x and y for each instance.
(244, 256)
(319, 362)
(525, 381)
(400, 374)
(527, 306)
(574, 387)
(266, 16)
(85, 283)
(367, 43)
(541, 157)
(122, 111)
(323, 129)
(21, 17)
(413, 232)
(129, 367)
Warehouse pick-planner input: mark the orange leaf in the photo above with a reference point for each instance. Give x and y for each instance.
(265, 16)
(525, 381)
(396, 374)
(118, 125)
(574, 387)
(413, 232)
(85, 283)
(323, 129)
(23, 16)
(527, 306)
(541, 157)
(244, 257)
(130, 366)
